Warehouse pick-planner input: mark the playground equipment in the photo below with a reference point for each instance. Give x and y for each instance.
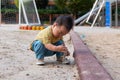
(21, 12)
(96, 9)
(30, 15)
(99, 4)
(28, 7)
(31, 27)
(84, 16)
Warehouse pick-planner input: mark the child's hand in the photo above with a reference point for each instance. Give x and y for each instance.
(61, 48)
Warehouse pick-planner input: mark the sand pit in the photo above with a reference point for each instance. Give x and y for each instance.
(105, 45)
(18, 63)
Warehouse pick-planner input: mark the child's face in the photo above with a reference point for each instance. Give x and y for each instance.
(59, 31)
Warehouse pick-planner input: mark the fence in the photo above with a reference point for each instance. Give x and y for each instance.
(10, 14)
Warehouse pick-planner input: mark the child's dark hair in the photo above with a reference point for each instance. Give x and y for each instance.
(66, 21)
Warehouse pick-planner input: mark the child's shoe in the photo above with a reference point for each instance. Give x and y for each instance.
(63, 60)
(66, 61)
(40, 62)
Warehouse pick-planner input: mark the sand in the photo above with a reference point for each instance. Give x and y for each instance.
(18, 63)
(105, 45)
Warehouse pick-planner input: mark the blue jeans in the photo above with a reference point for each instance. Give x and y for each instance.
(41, 52)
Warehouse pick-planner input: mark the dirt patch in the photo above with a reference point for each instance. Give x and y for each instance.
(18, 63)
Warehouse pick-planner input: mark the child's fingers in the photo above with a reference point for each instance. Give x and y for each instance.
(64, 48)
(64, 51)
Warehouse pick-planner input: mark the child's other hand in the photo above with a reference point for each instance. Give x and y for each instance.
(61, 48)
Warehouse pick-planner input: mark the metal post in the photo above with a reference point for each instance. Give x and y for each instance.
(36, 12)
(116, 14)
(97, 13)
(110, 13)
(19, 12)
(25, 15)
(0, 12)
(92, 10)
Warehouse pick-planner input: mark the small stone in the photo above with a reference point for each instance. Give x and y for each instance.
(27, 74)
(58, 66)
(74, 75)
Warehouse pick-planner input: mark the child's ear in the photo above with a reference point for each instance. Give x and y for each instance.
(55, 24)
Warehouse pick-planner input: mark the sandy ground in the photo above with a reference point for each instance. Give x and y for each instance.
(105, 45)
(18, 63)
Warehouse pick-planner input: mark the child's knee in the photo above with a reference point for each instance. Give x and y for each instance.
(37, 45)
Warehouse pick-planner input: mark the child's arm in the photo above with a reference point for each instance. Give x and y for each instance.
(59, 48)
